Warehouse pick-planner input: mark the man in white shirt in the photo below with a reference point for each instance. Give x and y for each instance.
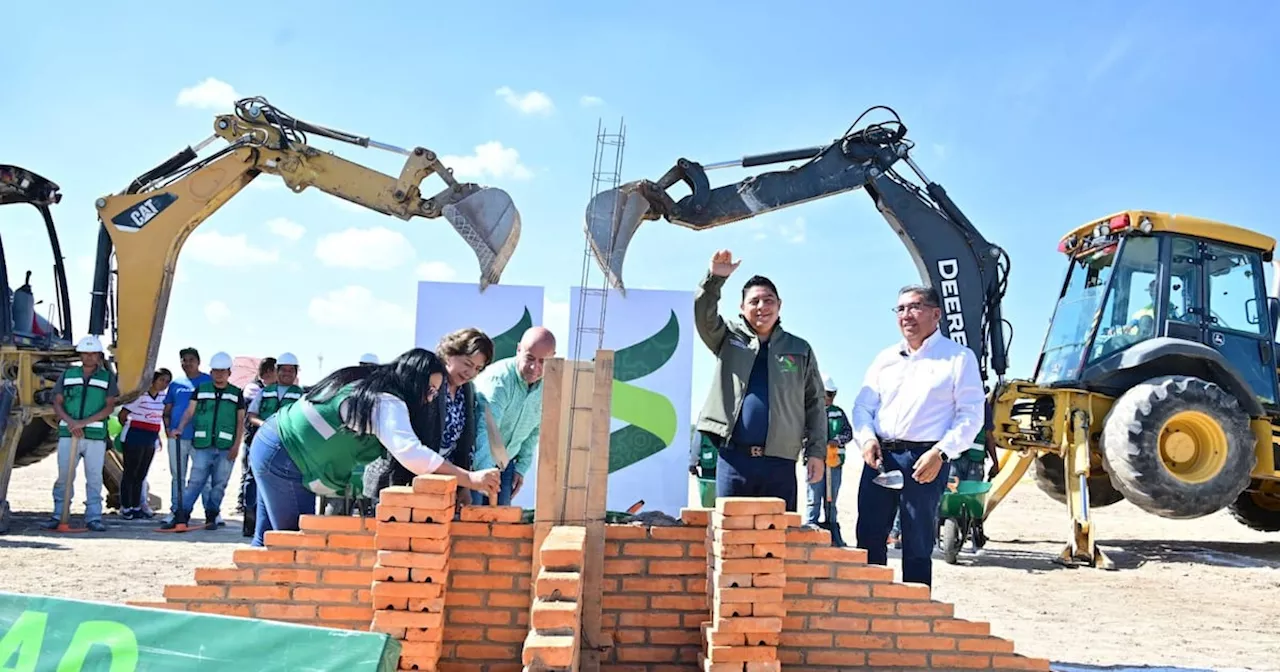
(920, 407)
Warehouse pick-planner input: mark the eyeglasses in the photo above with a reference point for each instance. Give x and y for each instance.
(914, 307)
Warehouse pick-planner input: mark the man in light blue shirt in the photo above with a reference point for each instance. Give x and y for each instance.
(510, 390)
(176, 400)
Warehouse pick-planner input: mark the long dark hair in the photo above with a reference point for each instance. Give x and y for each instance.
(407, 377)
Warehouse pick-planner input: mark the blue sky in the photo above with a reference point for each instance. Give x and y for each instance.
(1035, 122)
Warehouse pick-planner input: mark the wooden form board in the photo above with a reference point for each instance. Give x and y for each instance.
(573, 476)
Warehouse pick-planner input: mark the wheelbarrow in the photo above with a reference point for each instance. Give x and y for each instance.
(960, 516)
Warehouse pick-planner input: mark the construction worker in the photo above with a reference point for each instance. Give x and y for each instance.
(217, 415)
(369, 359)
(510, 391)
(839, 434)
(83, 399)
(280, 392)
(351, 417)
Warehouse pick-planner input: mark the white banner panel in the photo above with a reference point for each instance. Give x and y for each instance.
(651, 333)
(503, 312)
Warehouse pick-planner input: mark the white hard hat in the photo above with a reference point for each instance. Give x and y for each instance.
(286, 359)
(220, 361)
(828, 383)
(89, 344)
(369, 358)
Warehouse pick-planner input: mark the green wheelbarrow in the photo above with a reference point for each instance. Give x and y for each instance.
(960, 517)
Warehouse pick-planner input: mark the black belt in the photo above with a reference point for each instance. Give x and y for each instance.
(750, 451)
(896, 445)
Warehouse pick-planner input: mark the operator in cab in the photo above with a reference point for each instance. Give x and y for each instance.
(83, 398)
(217, 415)
(317, 445)
(766, 406)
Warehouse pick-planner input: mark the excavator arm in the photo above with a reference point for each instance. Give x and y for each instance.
(144, 227)
(969, 272)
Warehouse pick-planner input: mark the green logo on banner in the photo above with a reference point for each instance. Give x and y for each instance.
(652, 416)
(504, 344)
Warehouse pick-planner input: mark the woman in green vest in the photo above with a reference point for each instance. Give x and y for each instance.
(314, 446)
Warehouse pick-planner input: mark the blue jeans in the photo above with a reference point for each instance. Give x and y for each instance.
(918, 503)
(504, 491)
(94, 453)
(282, 498)
(210, 471)
(740, 475)
(818, 493)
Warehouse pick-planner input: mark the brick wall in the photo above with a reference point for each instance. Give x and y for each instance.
(839, 613)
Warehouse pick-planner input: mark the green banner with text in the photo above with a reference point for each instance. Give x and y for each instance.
(39, 634)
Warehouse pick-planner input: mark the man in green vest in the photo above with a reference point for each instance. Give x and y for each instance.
(217, 416)
(263, 404)
(83, 398)
(839, 434)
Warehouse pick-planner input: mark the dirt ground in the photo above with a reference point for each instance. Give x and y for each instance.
(1199, 594)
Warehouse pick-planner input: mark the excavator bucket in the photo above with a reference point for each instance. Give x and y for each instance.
(489, 222)
(612, 219)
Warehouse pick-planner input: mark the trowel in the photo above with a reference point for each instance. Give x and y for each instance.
(888, 479)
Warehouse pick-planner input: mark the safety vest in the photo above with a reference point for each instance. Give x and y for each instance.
(272, 402)
(82, 398)
(215, 421)
(979, 452)
(326, 450)
(835, 424)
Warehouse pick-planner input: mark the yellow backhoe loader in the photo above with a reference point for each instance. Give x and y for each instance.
(143, 228)
(1157, 382)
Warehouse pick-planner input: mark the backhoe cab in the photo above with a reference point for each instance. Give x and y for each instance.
(33, 350)
(1157, 380)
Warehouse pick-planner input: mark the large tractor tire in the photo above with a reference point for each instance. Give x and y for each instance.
(1049, 474)
(38, 441)
(1178, 447)
(1257, 511)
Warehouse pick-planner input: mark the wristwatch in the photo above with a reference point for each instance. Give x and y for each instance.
(945, 458)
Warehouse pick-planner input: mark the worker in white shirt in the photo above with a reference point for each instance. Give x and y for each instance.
(920, 407)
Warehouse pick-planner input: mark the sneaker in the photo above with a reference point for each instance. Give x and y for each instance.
(169, 524)
(51, 524)
(213, 522)
(218, 522)
(96, 526)
(128, 514)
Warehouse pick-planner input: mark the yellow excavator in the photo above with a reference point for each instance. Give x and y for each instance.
(1157, 381)
(143, 228)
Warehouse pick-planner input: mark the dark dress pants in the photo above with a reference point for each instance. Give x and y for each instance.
(918, 504)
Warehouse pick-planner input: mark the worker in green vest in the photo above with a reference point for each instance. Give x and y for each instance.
(284, 390)
(315, 445)
(217, 417)
(83, 398)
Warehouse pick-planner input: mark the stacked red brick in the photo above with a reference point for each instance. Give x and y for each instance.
(412, 570)
(316, 576)
(746, 556)
(555, 623)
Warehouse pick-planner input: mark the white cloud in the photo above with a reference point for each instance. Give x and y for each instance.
(211, 94)
(533, 102)
(216, 249)
(436, 271)
(792, 232)
(378, 248)
(590, 101)
(555, 316)
(491, 159)
(286, 228)
(356, 308)
(216, 312)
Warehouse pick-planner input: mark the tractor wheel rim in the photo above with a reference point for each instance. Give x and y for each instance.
(1193, 447)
